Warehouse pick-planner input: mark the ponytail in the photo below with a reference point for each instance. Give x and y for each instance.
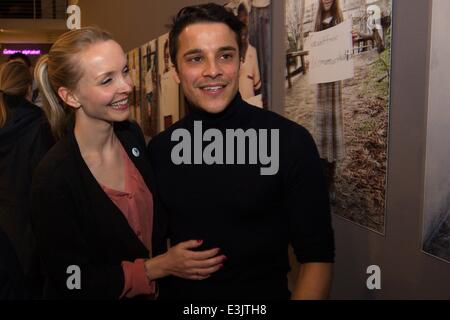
(52, 104)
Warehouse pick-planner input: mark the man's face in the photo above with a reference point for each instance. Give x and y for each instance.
(208, 65)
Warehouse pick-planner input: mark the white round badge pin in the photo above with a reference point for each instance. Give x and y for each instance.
(135, 152)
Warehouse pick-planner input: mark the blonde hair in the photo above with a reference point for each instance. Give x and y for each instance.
(60, 68)
(336, 13)
(15, 80)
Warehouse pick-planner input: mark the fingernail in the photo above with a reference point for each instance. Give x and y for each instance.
(199, 241)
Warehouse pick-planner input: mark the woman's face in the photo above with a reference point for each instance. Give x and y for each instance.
(327, 4)
(104, 88)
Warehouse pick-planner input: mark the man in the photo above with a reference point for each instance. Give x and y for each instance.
(249, 211)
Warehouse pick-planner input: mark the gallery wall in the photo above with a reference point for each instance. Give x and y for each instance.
(132, 22)
(406, 272)
(437, 168)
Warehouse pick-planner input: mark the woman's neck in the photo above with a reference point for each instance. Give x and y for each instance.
(94, 136)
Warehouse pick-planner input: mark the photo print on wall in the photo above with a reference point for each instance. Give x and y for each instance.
(338, 57)
(255, 72)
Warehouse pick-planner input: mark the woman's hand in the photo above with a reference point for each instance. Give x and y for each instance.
(181, 261)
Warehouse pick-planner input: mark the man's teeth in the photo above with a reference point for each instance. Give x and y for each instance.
(213, 88)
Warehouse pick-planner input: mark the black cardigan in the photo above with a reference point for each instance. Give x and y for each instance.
(24, 140)
(76, 223)
(11, 276)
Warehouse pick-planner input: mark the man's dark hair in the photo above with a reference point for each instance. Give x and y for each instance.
(21, 56)
(209, 13)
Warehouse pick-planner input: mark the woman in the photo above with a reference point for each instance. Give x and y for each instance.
(329, 127)
(93, 193)
(24, 139)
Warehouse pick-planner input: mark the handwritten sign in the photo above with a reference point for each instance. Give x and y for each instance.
(330, 53)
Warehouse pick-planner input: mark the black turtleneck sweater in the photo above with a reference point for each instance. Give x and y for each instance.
(251, 217)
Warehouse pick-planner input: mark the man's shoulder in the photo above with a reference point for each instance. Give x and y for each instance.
(161, 139)
(291, 134)
(275, 120)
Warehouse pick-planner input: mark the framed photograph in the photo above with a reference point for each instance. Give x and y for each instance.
(338, 61)
(149, 92)
(135, 97)
(169, 89)
(255, 73)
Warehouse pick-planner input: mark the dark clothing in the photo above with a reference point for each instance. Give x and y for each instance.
(76, 223)
(12, 286)
(251, 217)
(24, 140)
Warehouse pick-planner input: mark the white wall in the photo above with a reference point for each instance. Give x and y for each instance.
(437, 172)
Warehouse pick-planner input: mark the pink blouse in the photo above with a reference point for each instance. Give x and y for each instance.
(136, 204)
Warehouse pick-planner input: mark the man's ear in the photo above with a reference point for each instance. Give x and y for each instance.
(68, 97)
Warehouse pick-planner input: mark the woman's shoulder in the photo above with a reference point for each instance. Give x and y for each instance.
(57, 162)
